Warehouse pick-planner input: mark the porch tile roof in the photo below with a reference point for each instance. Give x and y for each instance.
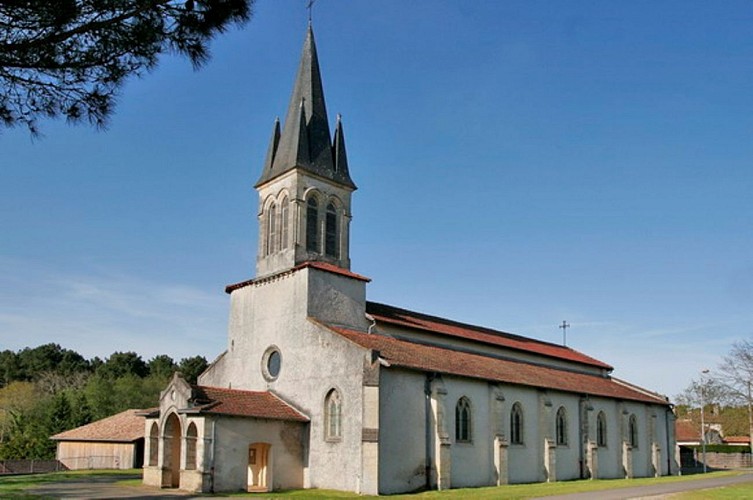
(240, 403)
(123, 427)
(411, 355)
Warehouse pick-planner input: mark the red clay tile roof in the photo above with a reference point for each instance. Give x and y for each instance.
(324, 266)
(124, 427)
(410, 355)
(418, 321)
(686, 430)
(736, 440)
(259, 404)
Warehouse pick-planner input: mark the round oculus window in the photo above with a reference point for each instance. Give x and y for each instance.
(271, 363)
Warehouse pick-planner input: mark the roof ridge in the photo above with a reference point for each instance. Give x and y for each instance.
(526, 341)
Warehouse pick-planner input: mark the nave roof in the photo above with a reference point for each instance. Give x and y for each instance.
(445, 360)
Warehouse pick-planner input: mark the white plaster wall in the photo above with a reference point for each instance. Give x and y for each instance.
(568, 456)
(472, 463)
(526, 460)
(402, 431)
(609, 456)
(337, 300)
(641, 453)
(314, 360)
(234, 435)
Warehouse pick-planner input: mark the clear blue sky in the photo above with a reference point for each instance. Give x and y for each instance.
(519, 163)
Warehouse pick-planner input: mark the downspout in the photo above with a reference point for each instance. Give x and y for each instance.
(211, 457)
(670, 451)
(582, 435)
(373, 322)
(427, 427)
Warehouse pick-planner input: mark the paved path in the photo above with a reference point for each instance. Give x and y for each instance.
(659, 490)
(103, 487)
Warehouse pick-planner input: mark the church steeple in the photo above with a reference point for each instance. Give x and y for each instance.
(305, 186)
(305, 141)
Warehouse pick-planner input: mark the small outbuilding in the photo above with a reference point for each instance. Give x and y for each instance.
(115, 442)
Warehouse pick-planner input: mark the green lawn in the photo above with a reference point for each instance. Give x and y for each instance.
(516, 491)
(14, 486)
(738, 491)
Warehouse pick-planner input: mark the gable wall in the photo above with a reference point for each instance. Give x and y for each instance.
(314, 360)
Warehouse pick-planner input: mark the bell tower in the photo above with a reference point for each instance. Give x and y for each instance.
(305, 187)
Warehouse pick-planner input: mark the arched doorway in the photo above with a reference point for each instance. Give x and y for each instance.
(258, 467)
(172, 450)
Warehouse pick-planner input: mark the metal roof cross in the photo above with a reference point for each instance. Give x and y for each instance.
(565, 325)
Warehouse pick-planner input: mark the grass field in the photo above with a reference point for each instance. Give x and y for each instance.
(16, 486)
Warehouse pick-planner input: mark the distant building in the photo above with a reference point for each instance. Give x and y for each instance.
(320, 388)
(115, 442)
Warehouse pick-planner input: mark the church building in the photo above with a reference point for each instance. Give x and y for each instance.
(320, 388)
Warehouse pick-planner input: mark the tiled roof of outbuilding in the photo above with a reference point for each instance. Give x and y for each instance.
(124, 427)
(436, 325)
(401, 353)
(736, 440)
(235, 402)
(686, 431)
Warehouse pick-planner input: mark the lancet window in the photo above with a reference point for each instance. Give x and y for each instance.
(271, 229)
(312, 225)
(601, 429)
(561, 426)
(331, 232)
(463, 420)
(633, 431)
(333, 415)
(284, 224)
(191, 437)
(516, 424)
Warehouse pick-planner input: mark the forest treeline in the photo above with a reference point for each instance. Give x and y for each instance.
(49, 389)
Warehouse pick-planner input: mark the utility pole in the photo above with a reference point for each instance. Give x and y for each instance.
(750, 418)
(703, 424)
(565, 325)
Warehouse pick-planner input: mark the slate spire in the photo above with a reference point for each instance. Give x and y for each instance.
(305, 141)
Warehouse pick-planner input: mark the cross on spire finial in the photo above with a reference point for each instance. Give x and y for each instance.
(565, 325)
(310, 7)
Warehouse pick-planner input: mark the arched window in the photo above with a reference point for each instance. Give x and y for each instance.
(330, 232)
(333, 415)
(601, 429)
(312, 225)
(463, 420)
(633, 431)
(191, 436)
(561, 426)
(271, 229)
(284, 229)
(516, 424)
(153, 444)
